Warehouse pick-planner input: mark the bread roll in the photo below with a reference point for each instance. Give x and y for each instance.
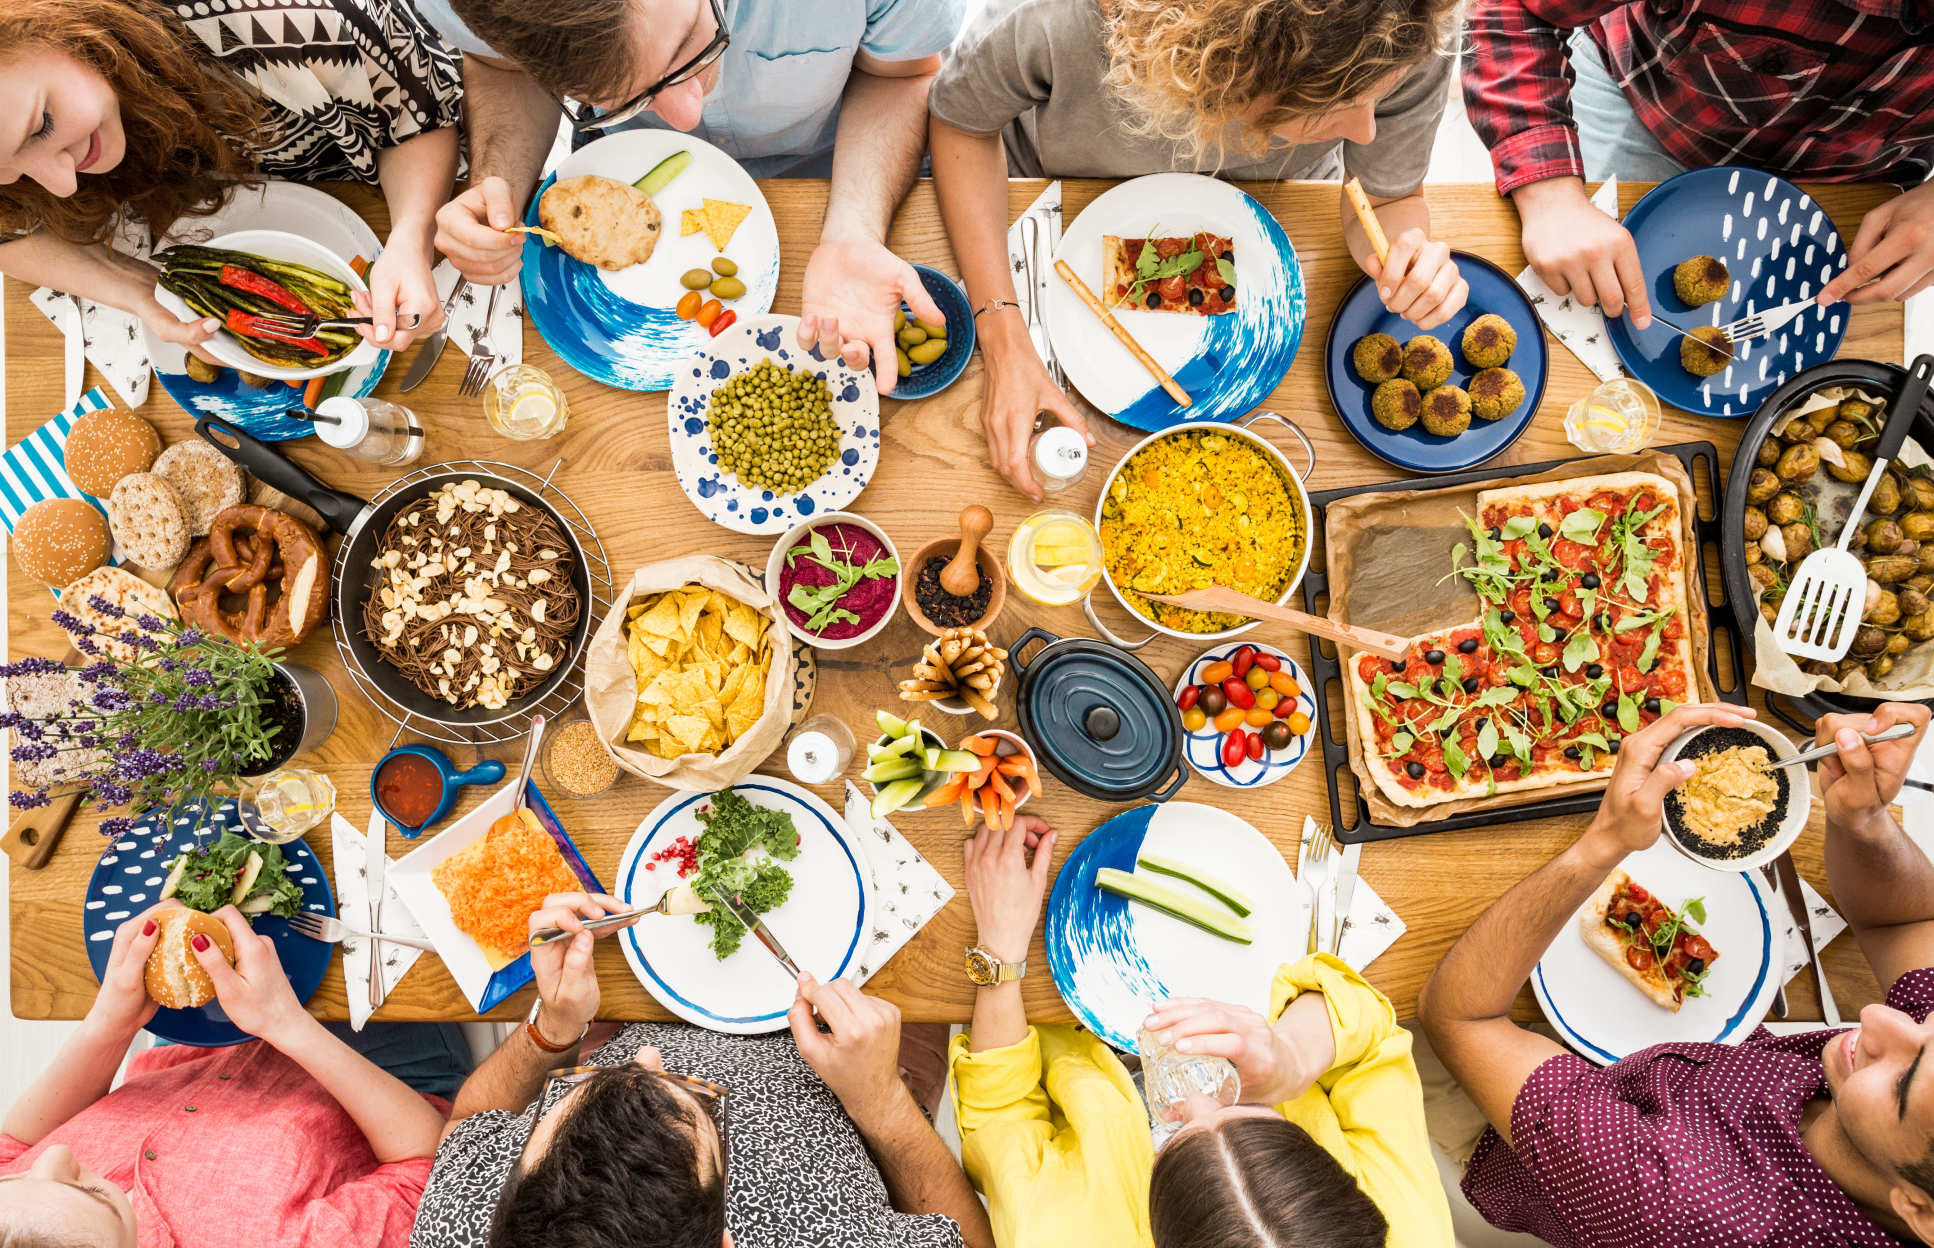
(175, 979)
(107, 445)
(60, 540)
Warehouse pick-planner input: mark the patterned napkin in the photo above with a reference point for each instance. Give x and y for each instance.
(1371, 926)
(34, 469)
(114, 342)
(1581, 329)
(1033, 296)
(1821, 918)
(350, 852)
(907, 891)
(506, 328)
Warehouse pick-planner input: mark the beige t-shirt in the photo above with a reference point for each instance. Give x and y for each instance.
(1033, 69)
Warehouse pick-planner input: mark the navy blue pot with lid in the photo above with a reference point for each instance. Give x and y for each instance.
(1098, 719)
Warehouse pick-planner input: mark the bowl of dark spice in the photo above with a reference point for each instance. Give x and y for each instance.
(576, 764)
(936, 585)
(1737, 811)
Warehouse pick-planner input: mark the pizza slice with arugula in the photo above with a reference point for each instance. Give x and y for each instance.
(1582, 641)
(1192, 274)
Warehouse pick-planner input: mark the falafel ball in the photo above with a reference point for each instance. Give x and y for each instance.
(1396, 404)
(1701, 280)
(1447, 411)
(1495, 393)
(1705, 351)
(1377, 358)
(1489, 341)
(1426, 362)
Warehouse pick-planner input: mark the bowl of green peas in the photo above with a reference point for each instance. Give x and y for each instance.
(932, 357)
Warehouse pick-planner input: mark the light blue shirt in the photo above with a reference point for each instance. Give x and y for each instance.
(776, 106)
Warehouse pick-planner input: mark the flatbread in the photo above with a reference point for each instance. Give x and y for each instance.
(1610, 944)
(119, 588)
(1119, 275)
(600, 221)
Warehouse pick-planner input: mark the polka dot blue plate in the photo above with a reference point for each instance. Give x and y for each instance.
(719, 495)
(1203, 748)
(128, 880)
(1780, 248)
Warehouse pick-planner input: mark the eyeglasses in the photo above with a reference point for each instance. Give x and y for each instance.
(584, 118)
(711, 1095)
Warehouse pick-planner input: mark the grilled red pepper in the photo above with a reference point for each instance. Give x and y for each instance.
(236, 278)
(240, 322)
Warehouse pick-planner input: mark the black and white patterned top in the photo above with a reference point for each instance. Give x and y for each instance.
(799, 1175)
(348, 78)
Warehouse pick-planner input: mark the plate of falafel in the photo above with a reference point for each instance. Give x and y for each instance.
(1445, 400)
(1716, 245)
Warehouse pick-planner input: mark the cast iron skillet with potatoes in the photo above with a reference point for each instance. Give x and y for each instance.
(1768, 513)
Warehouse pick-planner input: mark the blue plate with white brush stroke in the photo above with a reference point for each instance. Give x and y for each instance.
(1228, 364)
(1114, 960)
(1779, 246)
(620, 327)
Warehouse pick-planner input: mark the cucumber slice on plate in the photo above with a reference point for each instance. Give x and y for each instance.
(663, 172)
(1174, 902)
(1223, 891)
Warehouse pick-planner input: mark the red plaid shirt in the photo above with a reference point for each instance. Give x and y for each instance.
(1820, 90)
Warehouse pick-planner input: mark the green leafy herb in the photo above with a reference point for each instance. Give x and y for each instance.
(1518, 527)
(1151, 267)
(1628, 712)
(821, 602)
(734, 857)
(1582, 526)
(1581, 649)
(208, 880)
(1226, 271)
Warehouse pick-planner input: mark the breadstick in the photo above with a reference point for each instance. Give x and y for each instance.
(1367, 217)
(1080, 287)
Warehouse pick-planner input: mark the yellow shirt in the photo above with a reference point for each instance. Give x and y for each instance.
(1054, 1133)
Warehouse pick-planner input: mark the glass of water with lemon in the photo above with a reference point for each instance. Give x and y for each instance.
(1619, 417)
(522, 402)
(1054, 557)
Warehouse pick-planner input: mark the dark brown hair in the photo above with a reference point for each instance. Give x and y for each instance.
(192, 126)
(1257, 1182)
(579, 48)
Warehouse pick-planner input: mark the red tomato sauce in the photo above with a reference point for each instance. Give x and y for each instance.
(408, 788)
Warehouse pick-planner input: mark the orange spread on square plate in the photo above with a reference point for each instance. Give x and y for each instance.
(496, 884)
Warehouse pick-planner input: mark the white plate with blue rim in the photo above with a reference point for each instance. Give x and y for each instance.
(719, 495)
(620, 327)
(1603, 1016)
(1203, 748)
(1228, 364)
(825, 924)
(294, 209)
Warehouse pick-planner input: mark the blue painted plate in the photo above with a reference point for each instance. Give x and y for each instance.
(620, 327)
(1228, 364)
(128, 880)
(1203, 748)
(1780, 247)
(1362, 312)
(718, 495)
(928, 380)
(825, 924)
(1113, 960)
(1603, 1015)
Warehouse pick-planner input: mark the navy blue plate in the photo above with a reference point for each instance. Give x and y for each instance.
(128, 880)
(930, 379)
(1362, 312)
(1780, 247)
(260, 410)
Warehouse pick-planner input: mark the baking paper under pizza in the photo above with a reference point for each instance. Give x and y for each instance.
(1582, 642)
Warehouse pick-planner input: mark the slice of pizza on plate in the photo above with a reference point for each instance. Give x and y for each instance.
(1191, 274)
(1656, 949)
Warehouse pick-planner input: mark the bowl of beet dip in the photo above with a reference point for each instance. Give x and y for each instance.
(811, 563)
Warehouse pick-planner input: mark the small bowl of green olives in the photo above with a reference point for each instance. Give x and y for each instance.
(929, 362)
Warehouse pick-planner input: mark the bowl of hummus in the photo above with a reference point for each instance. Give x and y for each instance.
(1737, 811)
(837, 577)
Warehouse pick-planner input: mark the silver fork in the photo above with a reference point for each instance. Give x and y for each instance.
(306, 325)
(1764, 324)
(333, 931)
(1316, 866)
(483, 355)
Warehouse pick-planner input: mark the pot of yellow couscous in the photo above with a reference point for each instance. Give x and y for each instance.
(1196, 505)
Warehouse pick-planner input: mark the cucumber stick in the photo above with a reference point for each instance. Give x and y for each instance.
(1223, 891)
(662, 173)
(1192, 910)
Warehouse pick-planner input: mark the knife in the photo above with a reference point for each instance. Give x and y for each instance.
(736, 906)
(76, 371)
(432, 349)
(1780, 1008)
(375, 855)
(1343, 884)
(1796, 902)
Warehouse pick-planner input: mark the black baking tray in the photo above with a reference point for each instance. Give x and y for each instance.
(1701, 460)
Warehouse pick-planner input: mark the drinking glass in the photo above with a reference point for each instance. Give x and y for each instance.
(1619, 417)
(1170, 1078)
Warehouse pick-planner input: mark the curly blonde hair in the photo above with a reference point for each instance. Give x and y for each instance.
(1196, 70)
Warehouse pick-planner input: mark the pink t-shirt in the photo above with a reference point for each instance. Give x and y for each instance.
(236, 1146)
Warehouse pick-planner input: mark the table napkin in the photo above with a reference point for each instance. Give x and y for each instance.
(1033, 296)
(466, 318)
(1579, 328)
(350, 852)
(114, 341)
(907, 891)
(1371, 926)
(1824, 921)
(34, 469)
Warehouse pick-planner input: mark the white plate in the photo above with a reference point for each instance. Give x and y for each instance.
(1604, 1017)
(1228, 364)
(1204, 749)
(823, 924)
(718, 495)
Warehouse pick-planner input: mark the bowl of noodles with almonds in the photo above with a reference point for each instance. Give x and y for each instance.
(1737, 811)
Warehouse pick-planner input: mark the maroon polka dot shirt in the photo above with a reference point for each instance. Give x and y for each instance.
(1677, 1146)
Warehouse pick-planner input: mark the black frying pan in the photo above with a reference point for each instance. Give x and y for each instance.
(353, 580)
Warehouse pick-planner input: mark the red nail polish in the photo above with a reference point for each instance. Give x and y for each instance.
(147, 929)
(199, 941)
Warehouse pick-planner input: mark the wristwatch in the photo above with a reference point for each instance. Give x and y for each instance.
(536, 1037)
(984, 969)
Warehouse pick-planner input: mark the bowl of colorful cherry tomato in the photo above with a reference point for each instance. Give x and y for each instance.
(1248, 715)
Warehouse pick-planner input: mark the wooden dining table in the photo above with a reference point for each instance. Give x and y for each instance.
(614, 460)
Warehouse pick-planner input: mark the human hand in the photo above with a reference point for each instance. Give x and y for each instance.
(1580, 251)
(401, 289)
(188, 335)
(123, 1005)
(255, 992)
(858, 1056)
(470, 232)
(1005, 891)
(1271, 1071)
(566, 982)
(1862, 781)
(1418, 280)
(852, 289)
(1892, 256)
(1018, 390)
(1628, 818)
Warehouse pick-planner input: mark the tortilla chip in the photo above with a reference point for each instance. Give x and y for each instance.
(723, 218)
(687, 730)
(700, 659)
(692, 221)
(744, 625)
(662, 619)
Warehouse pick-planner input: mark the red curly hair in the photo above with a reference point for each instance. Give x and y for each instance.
(192, 126)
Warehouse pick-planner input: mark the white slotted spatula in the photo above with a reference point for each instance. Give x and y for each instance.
(1822, 608)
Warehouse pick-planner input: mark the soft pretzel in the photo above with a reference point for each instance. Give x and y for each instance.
(250, 548)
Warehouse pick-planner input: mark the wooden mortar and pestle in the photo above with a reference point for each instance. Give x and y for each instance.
(970, 559)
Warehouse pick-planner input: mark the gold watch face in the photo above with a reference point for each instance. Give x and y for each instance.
(981, 967)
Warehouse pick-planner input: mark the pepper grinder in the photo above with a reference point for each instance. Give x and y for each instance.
(962, 576)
